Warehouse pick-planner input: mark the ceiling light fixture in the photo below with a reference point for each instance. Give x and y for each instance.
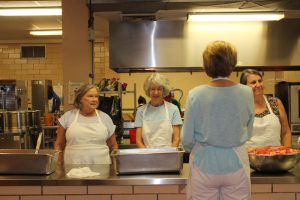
(241, 16)
(46, 32)
(31, 12)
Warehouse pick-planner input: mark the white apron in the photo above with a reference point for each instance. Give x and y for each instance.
(157, 134)
(86, 143)
(242, 176)
(266, 130)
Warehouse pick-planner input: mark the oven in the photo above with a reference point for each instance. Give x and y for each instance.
(289, 94)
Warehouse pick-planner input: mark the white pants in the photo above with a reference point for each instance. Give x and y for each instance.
(231, 186)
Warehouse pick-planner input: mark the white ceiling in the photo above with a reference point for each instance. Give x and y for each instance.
(17, 28)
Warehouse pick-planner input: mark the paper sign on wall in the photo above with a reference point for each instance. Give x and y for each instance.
(73, 86)
(58, 89)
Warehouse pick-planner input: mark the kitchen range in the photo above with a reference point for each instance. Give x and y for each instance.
(289, 94)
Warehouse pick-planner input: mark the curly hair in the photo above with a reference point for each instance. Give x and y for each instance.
(158, 80)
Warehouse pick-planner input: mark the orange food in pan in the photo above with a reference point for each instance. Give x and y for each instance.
(272, 150)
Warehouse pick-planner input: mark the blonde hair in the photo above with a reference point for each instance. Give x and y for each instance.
(219, 59)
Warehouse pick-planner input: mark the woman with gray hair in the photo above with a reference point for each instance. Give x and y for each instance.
(157, 122)
(85, 135)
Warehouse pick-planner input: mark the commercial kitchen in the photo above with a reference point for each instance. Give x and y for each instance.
(128, 40)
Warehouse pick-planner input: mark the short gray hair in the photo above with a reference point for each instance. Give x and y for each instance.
(80, 92)
(158, 80)
(246, 73)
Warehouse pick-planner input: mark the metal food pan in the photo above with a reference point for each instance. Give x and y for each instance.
(25, 161)
(143, 161)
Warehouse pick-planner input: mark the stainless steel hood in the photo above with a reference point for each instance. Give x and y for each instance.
(154, 6)
(154, 35)
(177, 45)
(118, 10)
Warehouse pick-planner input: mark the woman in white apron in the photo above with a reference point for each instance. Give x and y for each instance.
(157, 122)
(217, 122)
(85, 135)
(270, 126)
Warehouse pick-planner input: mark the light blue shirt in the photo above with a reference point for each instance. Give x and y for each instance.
(219, 118)
(158, 114)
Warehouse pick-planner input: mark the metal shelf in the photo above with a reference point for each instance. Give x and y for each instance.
(120, 92)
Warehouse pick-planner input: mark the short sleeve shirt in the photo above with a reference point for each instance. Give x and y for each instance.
(68, 118)
(157, 114)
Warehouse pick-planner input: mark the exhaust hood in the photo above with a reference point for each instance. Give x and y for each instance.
(154, 35)
(153, 6)
(178, 45)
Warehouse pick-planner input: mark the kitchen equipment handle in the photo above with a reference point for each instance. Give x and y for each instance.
(38, 143)
(298, 103)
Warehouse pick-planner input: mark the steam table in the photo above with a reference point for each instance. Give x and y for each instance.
(107, 185)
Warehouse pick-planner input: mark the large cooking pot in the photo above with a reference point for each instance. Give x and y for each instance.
(16, 121)
(33, 118)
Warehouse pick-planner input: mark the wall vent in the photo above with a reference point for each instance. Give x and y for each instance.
(138, 17)
(36, 51)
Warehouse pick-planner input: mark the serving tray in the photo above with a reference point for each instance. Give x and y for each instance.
(145, 161)
(25, 161)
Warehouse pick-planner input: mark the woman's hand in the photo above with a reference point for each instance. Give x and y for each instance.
(112, 142)
(286, 134)
(139, 138)
(60, 143)
(176, 136)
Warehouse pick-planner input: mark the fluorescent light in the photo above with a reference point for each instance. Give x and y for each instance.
(31, 12)
(46, 32)
(258, 16)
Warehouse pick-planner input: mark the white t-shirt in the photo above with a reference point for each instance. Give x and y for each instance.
(158, 114)
(68, 118)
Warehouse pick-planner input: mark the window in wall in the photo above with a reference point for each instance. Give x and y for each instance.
(38, 51)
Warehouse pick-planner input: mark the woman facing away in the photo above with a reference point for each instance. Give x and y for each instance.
(218, 121)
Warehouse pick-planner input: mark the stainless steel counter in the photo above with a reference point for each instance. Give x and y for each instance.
(108, 177)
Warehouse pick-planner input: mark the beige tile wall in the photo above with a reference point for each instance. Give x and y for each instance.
(12, 66)
(134, 192)
(101, 61)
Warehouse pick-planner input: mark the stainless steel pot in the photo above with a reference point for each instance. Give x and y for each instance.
(16, 121)
(33, 118)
